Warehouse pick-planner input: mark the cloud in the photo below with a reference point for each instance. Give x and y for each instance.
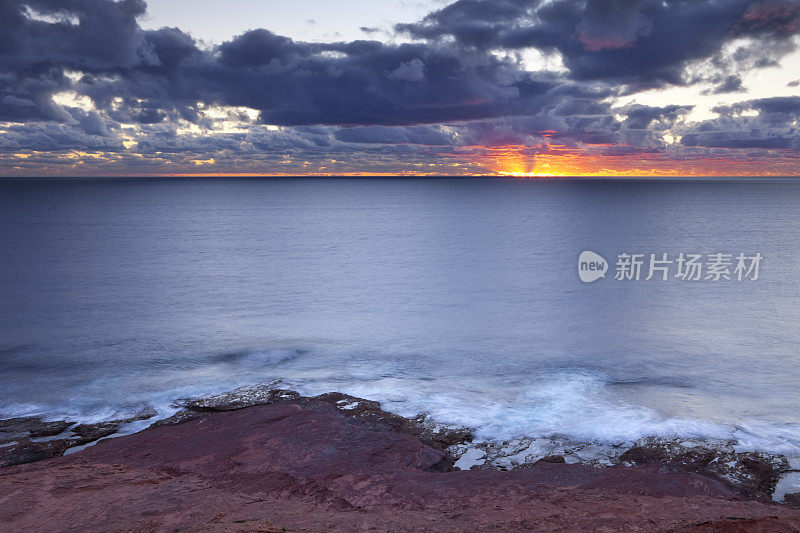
(82, 75)
(413, 70)
(640, 117)
(778, 17)
(731, 84)
(765, 123)
(420, 135)
(645, 43)
(612, 25)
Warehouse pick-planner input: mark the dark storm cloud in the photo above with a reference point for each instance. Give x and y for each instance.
(640, 42)
(453, 86)
(39, 39)
(362, 82)
(37, 35)
(164, 73)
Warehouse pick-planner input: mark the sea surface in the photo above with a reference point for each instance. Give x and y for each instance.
(457, 298)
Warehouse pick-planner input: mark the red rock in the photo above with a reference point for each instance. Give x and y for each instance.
(307, 466)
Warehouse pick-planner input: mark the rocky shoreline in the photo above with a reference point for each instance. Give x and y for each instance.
(754, 474)
(335, 427)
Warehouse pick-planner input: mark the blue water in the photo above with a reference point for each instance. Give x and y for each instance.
(459, 298)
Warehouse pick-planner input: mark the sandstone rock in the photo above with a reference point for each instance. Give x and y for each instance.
(752, 474)
(767, 524)
(308, 465)
(368, 413)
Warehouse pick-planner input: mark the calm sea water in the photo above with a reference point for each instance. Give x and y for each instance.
(455, 297)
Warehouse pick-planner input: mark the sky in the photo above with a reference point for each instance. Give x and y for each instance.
(400, 87)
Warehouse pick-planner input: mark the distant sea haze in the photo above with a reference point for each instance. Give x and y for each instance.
(458, 298)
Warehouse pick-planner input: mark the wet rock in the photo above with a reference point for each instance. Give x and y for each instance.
(240, 398)
(30, 427)
(550, 459)
(27, 451)
(440, 435)
(554, 459)
(370, 412)
(792, 499)
(180, 417)
(145, 414)
(519, 453)
(752, 473)
(87, 433)
(31, 439)
(17, 446)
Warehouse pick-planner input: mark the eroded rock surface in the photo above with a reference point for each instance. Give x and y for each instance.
(310, 465)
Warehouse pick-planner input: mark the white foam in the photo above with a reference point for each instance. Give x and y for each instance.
(580, 406)
(575, 405)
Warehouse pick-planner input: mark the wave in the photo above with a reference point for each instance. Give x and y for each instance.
(574, 405)
(578, 405)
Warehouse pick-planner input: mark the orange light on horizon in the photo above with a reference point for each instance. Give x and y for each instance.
(566, 161)
(522, 162)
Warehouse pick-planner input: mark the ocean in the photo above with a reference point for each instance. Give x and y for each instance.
(459, 298)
